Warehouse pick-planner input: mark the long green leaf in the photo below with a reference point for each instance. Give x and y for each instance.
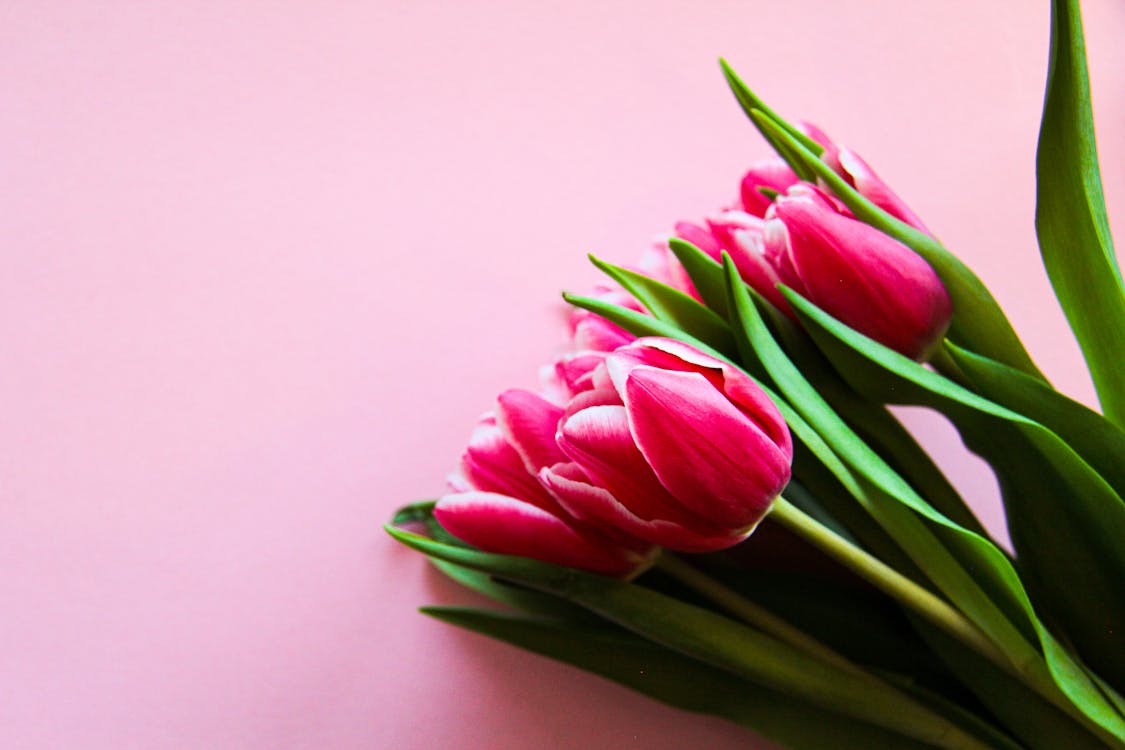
(1037, 723)
(1098, 441)
(680, 681)
(672, 306)
(716, 640)
(1070, 215)
(879, 373)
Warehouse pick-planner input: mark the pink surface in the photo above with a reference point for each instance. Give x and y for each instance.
(264, 264)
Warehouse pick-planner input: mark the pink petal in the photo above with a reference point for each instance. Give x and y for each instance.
(736, 385)
(504, 525)
(867, 279)
(743, 237)
(701, 238)
(774, 174)
(529, 422)
(871, 187)
(704, 450)
(491, 464)
(597, 506)
(599, 441)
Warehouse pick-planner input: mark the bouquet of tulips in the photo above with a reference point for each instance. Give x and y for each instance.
(709, 501)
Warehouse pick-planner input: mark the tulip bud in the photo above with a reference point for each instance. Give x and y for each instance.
(499, 505)
(671, 446)
(866, 279)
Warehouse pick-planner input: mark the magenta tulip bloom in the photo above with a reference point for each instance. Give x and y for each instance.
(671, 446)
(500, 506)
(868, 280)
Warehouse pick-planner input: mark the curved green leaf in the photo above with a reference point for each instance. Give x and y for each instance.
(883, 374)
(1070, 215)
(672, 306)
(1098, 441)
(1037, 723)
(715, 640)
(706, 275)
(679, 681)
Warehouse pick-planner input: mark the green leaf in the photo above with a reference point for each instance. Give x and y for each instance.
(749, 101)
(978, 322)
(421, 513)
(1098, 441)
(873, 423)
(679, 681)
(716, 640)
(1070, 215)
(1037, 723)
(706, 275)
(883, 374)
(672, 306)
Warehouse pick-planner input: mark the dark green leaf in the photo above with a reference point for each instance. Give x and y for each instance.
(679, 681)
(885, 375)
(1037, 723)
(1070, 215)
(716, 640)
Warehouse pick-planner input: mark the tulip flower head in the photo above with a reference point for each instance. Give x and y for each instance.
(499, 505)
(671, 446)
(867, 279)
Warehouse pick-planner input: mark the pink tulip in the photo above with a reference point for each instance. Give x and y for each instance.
(671, 446)
(499, 505)
(868, 280)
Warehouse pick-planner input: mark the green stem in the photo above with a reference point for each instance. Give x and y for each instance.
(951, 736)
(888, 580)
(751, 613)
(1032, 673)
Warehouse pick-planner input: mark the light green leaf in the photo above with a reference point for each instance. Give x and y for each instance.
(672, 306)
(1070, 215)
(706, 275)
(749, 101)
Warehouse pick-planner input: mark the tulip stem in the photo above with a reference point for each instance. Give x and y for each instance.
(888, 580)
(751, 613)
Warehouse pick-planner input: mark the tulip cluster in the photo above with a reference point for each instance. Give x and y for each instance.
(632, 445)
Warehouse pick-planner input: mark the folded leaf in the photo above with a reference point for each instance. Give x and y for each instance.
(1070, 215)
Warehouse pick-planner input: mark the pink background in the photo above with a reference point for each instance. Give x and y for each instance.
(264, 263)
